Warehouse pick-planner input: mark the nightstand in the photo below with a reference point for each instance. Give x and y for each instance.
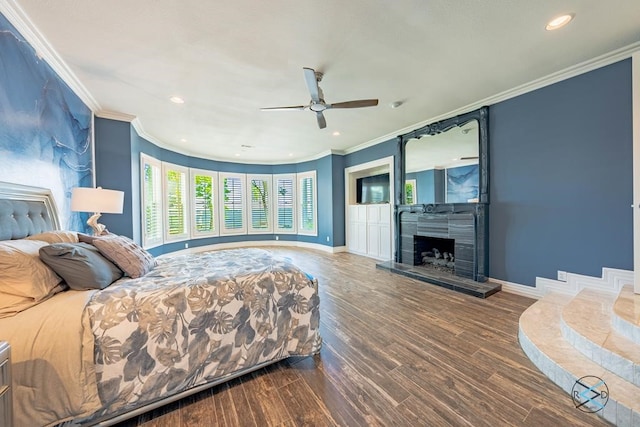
(6, 417)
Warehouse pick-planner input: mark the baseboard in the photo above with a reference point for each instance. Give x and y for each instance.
(258, 243)
(518, 289)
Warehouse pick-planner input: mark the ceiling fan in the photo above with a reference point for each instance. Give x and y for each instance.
(317, 103)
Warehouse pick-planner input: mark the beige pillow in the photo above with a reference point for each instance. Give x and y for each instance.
(126, 254)
(57, 236)
(24, 276)
(10, 305)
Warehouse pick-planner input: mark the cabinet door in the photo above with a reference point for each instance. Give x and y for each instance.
(385, 242)
(373, 240)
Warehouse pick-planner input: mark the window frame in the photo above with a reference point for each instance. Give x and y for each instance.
(300, 177)
(166, 167)
(147, 241)
(195, 233)
(294, 204)
(221, 205)
(265, 178)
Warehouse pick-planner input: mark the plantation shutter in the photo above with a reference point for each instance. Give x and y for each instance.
(176, 202)
(307, 194)
(203, 202)
(151, 202)
(233, 221)
(285, 215)
(259, 203)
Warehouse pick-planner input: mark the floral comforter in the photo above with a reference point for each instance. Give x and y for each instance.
(196, 318)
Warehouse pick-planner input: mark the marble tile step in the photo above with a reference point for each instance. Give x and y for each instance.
(449, 281)
(541, 339)
(626, 314)
(587, 324)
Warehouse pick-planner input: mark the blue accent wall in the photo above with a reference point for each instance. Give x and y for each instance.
(561, 178)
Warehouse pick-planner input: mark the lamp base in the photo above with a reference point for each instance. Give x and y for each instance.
(98, 229)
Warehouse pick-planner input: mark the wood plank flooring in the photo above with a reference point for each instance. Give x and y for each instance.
(396, 352)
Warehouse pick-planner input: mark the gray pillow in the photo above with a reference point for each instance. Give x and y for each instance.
(80, 265)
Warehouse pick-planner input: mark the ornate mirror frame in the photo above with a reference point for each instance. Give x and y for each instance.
(479, 208)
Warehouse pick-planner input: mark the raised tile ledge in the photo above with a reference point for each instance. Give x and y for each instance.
(626, 314)
(542, 341)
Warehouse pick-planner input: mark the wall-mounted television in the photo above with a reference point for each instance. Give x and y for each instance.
(373, 189)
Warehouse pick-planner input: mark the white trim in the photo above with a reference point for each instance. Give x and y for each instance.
(146, 242)
(612, 281)
(314, 188)
(258, 243)
(114, 115)
(518, 289)
(267, 180)
(21, 21)
(635, 108)
(167, 167)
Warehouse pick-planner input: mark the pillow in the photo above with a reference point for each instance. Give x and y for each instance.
(126, 254)
(80, 265)
(10, 305)
(21, 271)
(56, 237)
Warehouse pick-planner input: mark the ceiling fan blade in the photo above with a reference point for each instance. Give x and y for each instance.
(322, 123)
(469, 158)
(297, 107)
(312, 83)
(355, 104)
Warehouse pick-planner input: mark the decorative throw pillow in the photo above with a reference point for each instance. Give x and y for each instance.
(57, 236)
(80, 265)
(126, 254)
(21, 271)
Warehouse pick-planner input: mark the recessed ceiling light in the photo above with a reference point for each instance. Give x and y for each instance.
(237, 154)
(183, 140)
(176, 100)
(336, 133)
(290, 154)
(559, 22)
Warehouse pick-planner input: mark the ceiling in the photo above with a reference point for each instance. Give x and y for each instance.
(229, 59)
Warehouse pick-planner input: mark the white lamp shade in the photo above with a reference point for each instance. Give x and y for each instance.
(85, 199)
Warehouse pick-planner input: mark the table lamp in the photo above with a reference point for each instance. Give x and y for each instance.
(98, 201)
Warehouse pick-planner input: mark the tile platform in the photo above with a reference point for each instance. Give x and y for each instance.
(568, 337)
(459, 284)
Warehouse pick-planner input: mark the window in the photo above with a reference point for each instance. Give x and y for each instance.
(284, 205)
(410, 195)
(307, 203)
(232, 203)
(176, 207)
(259, 203)
(204, 188)
(151, 201)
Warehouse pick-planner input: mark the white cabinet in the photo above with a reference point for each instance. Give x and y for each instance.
(369, 230)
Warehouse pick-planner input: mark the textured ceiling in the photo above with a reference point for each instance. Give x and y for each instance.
(229, 59)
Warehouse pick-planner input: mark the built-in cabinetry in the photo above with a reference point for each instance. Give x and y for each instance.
(369, 230)
(6, 418)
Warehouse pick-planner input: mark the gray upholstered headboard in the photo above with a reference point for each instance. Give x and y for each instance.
(26, 210)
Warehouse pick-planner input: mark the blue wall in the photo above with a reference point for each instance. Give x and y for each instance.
(561, 178)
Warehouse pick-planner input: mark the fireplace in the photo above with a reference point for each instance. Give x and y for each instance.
(435, 253)
(462, 234)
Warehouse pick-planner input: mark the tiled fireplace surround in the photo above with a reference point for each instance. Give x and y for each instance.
(465, 224)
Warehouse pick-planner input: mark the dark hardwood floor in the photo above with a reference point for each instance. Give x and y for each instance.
(397, 352)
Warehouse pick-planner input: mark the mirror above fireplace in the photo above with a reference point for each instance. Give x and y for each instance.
(446, 161)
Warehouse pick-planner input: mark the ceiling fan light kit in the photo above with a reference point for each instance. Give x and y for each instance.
(317, 103)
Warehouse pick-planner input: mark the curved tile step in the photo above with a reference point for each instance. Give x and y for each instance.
(587, 324)
(626, 314)
(542, 341)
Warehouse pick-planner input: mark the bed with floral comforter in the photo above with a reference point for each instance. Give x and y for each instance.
(197, 318)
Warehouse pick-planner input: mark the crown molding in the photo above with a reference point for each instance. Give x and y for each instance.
(567, 73)
(114, 115)
(20, 20)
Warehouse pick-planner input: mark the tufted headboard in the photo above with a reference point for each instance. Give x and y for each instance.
(26, 210)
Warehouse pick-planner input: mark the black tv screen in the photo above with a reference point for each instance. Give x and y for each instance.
(373, 189)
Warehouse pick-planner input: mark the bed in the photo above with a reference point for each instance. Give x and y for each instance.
(102, 355)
